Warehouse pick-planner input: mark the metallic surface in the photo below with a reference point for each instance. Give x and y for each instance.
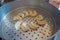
(51, 9)
(42, 33)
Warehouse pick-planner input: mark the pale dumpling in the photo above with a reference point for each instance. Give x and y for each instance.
(17, 25)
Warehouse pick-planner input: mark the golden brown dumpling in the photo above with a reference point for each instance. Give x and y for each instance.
(25, 27)
(21, 15)
(26, 14)
(43, 22)
(32, 13)
(40, 17)
(33, 26)
(17, 18)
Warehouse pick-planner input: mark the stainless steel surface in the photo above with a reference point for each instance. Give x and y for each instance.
(42, 33)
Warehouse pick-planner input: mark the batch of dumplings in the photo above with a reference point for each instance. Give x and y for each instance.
(27, 20)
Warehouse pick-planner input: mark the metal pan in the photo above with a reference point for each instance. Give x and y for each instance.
(43, 6)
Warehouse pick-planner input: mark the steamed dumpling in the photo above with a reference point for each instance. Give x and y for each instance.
(33, 25)
(26, 14)
(18, 17)
(43, 22)
(21, 15)
(39, 17)
(32, 13)
(17, 25)
(25, 27)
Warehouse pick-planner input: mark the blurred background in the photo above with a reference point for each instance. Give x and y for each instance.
(55, 3)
